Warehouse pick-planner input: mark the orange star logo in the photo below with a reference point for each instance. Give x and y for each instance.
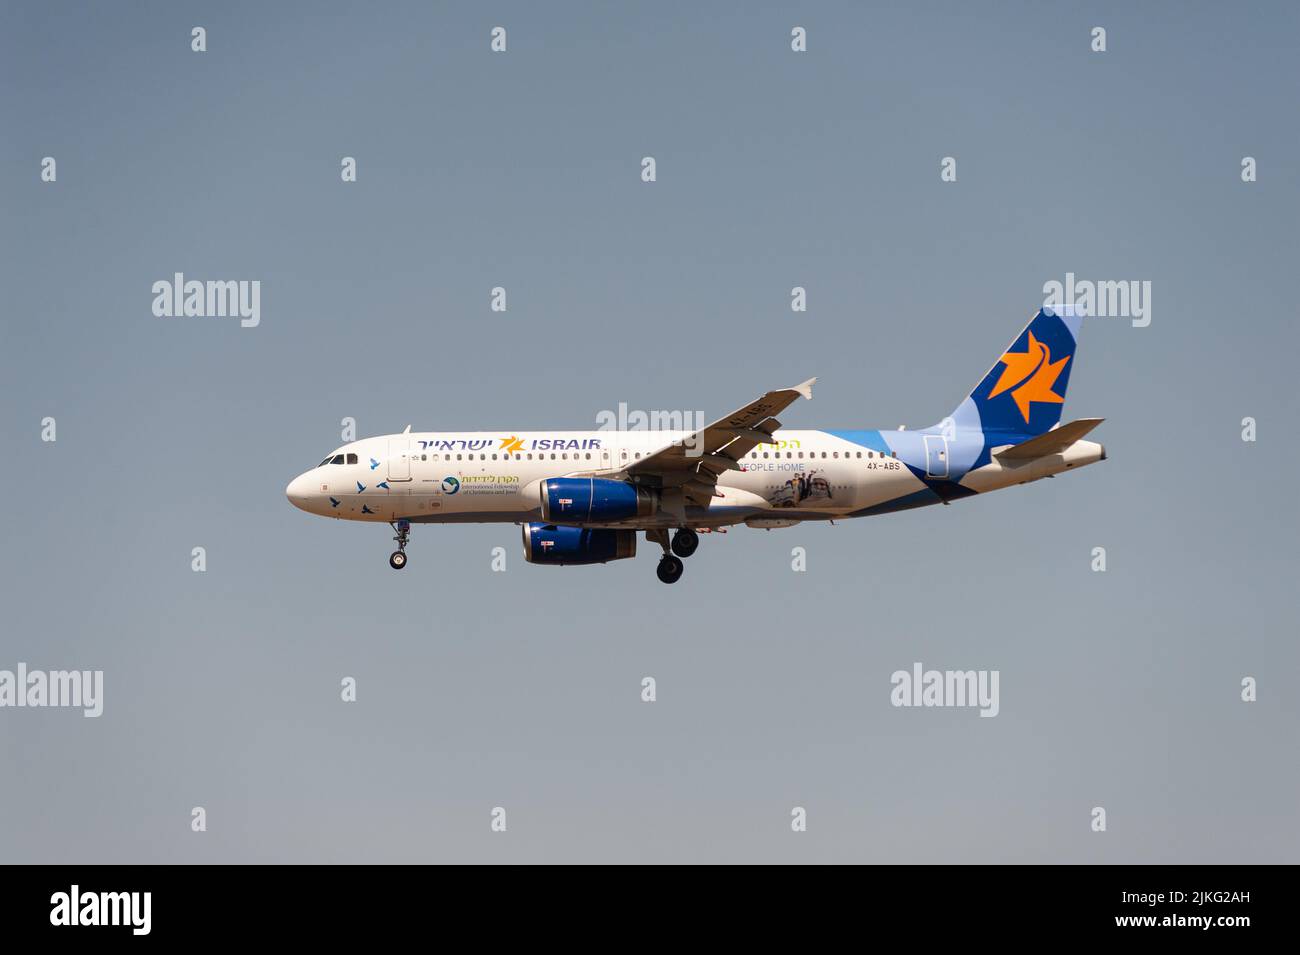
(512, 445)
(1029, 376)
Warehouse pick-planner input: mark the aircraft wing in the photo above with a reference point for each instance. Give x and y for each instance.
(695, 463)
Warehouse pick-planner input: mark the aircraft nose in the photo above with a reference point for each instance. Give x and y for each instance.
(299, 491)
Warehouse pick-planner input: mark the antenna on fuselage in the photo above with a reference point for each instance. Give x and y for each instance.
(406, 430)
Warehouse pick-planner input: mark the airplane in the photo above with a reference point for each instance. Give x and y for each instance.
(581, 497)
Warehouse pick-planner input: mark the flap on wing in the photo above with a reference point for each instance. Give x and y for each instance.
(1054, 441)
(748, 439)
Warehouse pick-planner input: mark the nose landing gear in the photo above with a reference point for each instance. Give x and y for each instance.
(397, 559)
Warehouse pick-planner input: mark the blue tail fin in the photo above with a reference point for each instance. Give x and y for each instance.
(1024, 392)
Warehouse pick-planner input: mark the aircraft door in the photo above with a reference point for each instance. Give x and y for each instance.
(399, 459)
(608, 455)
(936, 456)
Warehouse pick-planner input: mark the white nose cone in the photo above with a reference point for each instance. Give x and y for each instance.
(299, 491)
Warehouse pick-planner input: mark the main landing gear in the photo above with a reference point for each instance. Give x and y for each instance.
(397, 559)
(683, 544)
(670, 569)
(685, 541)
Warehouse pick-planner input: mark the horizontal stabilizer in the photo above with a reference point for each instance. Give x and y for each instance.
(1053, 442)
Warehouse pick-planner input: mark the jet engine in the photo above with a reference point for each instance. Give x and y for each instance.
(554, 544)
(594, 500)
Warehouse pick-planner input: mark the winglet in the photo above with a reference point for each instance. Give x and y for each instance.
(805, 389)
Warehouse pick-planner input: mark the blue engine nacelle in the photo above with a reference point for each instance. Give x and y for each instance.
(552, 544)
(594, 501)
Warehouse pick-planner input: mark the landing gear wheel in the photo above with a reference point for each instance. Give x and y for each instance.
(397, 559)
(670, 569)
(685, 541)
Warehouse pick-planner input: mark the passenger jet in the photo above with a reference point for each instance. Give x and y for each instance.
(582, 497)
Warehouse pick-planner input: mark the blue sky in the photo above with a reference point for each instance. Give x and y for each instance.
(522, 689)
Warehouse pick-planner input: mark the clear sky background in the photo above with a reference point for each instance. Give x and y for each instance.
(522, 689)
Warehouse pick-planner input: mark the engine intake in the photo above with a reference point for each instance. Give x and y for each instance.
(553, 544)
(594, 501)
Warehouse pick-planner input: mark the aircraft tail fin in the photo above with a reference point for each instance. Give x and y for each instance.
(1023, 392)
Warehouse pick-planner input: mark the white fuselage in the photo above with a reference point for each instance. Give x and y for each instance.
(447, 477)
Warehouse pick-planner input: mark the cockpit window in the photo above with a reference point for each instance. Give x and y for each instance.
(352, 459)
(338, 459)
(323, 463)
